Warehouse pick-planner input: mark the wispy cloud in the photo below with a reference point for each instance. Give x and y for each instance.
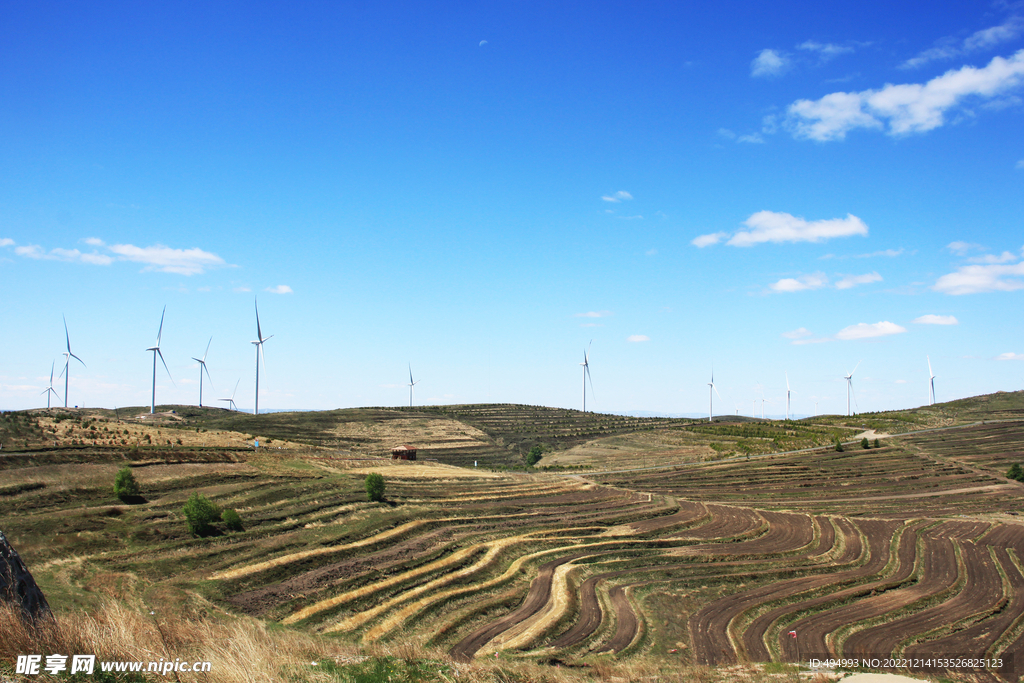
(280, 289)
(1005, 257)
(707, 240)
(825, 51)
(593, 314)
(803, 283)
(869, 330)
(949, 48)
(769, 63)
(1010, 356)
(976, 279)
(94, 242)
(798, 333)
(903, 109)
(6, 242)
(962, 248)
(638, 338)
(617, 197)
(169, 260)
(772, 226)
(1020, 165)
(34, 251)
(752, 138)
(854, 280)
(932, 319)
(242, 289)
(890, 253)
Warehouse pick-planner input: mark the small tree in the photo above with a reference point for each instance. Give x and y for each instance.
(200, 514)
(232, 520)
(839, 446)
(1015, 472)
(533, 457)
(877, 445)
(864, 443)
(374, 487)
(125, 486)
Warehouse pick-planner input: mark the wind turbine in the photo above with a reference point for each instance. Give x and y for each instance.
(931, 383)
(50, 390)
(586, 374)
(67, 362)
(231, 401)
(787, 395)
(259, 351)
(411, 385)
(711, 398)
(202, 366)
(156, 352)
(849, 387)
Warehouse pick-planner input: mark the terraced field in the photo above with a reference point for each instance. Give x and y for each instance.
(910, 548)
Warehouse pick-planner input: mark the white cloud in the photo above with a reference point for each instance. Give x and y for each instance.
(948, 48)
(280, 289)
(726, 133)
(932, 319)
(617, 197)
(868, 331)
(34, 251)
(94, 241)
(1005, 257)
(891, 253)
(30, 251)
(242, 289)
(982, 278)
(638, 338)
(1010, 356)
(903, 109)
(798, 333)
(593, 314)
(707, 240)
(825, 51)
(1020, 165)
(771, 226)
(752, 138)
(651, 252)
(854, 280)
(165, 259)
(812, 281)
(482, 43)
(769, 63)
(962, 248)
(6, 241)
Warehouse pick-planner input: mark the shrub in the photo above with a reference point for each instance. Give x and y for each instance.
(839, 446)
(125, 486)
(533, 457)
(1016, 472)
(232, 520)
(864, 443)
(200, 514)
(374, 487)
(877, 445)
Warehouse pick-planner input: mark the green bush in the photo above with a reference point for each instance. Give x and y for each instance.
(125, 486)
(232, 520)
(374, 487)
(839, 446)
(864, 443)
(533, 457)
(200, 514)
(1016, 472)
(877, 445)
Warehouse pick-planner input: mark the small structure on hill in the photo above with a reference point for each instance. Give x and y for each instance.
(403, 453)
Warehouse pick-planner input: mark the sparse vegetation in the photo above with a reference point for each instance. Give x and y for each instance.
(200, 514)
(374, 487)
(231, 520)
(125, 486)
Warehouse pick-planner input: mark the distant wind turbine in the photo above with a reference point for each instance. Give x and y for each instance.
(67, 362)
(931, 383)
(849, 387)
(586, 374)
(259, 352)
(202, 366)
(787, 395)
(50, 390)
(411, 385)
(711, 398)
(231, 401)
(156, 352)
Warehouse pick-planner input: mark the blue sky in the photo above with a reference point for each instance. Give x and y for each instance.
(481, 189)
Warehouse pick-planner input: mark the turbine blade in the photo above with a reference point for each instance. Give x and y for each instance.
(787, 381)
(160, 332)
(856, 366)
(207, 373)
(586, 368)
(930, 373)
(716, 391)
(410, 374)
(76, 358)
(259, 335)
(165, 365)
(66, 335)
(207, 348)
(236, 390)
(51, 371)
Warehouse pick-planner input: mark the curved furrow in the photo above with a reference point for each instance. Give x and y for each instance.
(690, 512)
(726, 522)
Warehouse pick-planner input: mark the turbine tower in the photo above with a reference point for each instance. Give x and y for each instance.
(711, 398)
(849, 387)
(202, 366)
(259, 352)
(67, 362)
(411, 385)
(787, 396)
(931, 383)
(50, 390)
(231, 401)
(156, 352)
(586, 374)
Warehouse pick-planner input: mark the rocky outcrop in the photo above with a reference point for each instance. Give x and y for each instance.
(17, 585)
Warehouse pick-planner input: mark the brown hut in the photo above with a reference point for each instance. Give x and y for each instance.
(403, 453)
